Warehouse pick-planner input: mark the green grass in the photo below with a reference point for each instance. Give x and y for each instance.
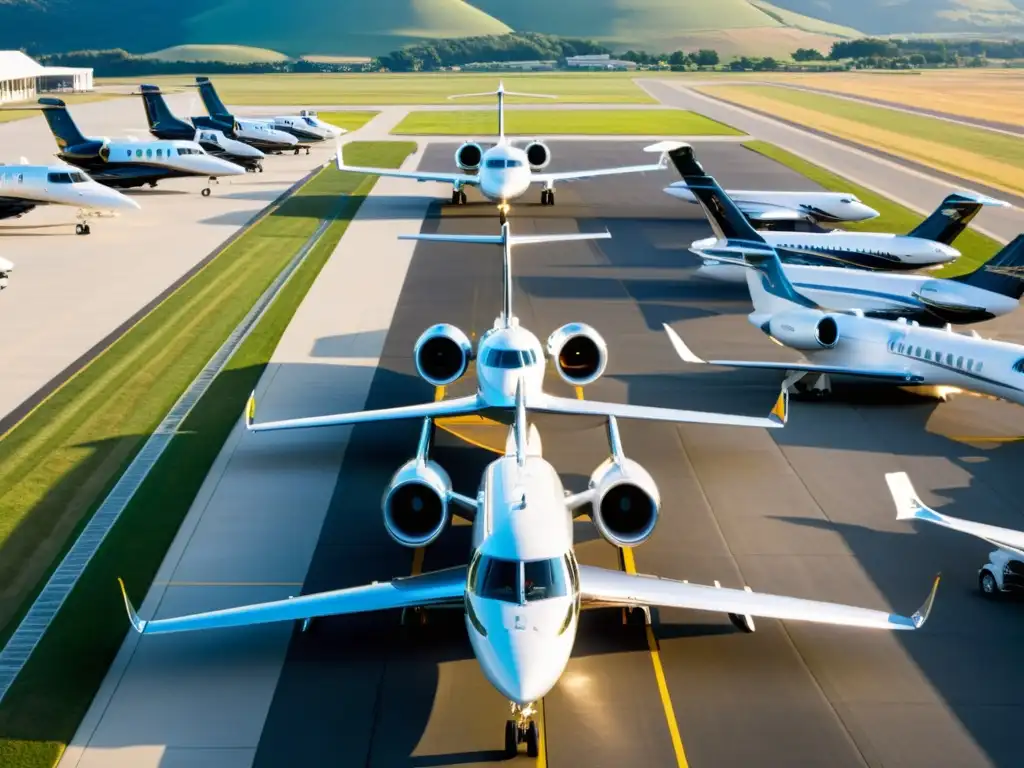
(101, 418)
(379, 89)
(67, 98)
(349, 120)
(974, 247)
(235, 54)
(662, 122)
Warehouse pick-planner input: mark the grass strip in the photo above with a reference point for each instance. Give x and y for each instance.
(662, 122)
(48, 700)
(974, 247)
(350, 120)
(972, 153)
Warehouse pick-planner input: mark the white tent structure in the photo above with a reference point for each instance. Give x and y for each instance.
(21, 78)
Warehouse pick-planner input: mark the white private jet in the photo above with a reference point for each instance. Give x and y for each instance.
(508, 354)
(927, 245)
(770, 208)
(505, 172)
(523, 590)
(1004, 571)
(24, 187)
(991, 290)
(849, 343)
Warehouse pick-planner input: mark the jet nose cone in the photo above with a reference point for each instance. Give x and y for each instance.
(531, 672)
(863, 212)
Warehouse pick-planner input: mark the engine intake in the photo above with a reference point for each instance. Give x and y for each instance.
(442, 354)
(804, 330)
(626, 502)
(468, 156)
(579, 353)
(538, 155)
(415, 504)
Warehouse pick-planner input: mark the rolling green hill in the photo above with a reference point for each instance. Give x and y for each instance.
(235, 54)
(375, 27)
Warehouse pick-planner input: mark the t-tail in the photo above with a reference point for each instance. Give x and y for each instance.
(501, 93)
(214, 106)
(506, 240)
(951, 218)
(162, 122)
(63, 127)
(1002, 274)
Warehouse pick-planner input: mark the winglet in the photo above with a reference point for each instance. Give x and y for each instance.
(680, 346)
(250, 410)
(780, 411)
(664, 147)
(922, 613)
(908, 505)
(137, 624)
(337, 156)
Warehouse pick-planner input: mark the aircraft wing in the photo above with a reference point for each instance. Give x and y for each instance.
(551, 404)
(910, 507)
(551, 178)
(902, 377)
(756, 212)
(447, 178)
(615, 588)
(434, 588)
(435, 410)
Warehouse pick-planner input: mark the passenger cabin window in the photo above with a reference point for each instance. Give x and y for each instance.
(960, 362)
(949, 358)
(977, 368)
(927, 354)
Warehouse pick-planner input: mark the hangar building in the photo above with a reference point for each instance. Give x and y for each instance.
(21, 78)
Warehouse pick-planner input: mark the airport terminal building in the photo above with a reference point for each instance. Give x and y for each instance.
(22, 78)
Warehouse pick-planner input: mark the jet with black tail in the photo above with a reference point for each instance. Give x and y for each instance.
(164, 124)
(124, 163)
(261, 134)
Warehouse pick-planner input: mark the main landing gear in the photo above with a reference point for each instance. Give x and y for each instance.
(82, 229)
(206, 190)
(816, 385)
(458, 197)
(522, 729)
(547, 196)
(299, 149)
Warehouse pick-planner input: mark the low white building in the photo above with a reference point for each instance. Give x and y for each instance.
(22, 78)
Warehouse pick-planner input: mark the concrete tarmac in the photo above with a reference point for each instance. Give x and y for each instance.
(69, 293)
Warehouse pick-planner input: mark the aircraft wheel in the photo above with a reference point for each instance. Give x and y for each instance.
(462, 197)
(205, 192)
(259, 168)
(296, 151)
(79, 229)
(502, 218)
(152, 185)
(456, 197)
(551, 197)
(543, 197)
(532, 739)
(307, 150)
(988, 585)
(511, 738)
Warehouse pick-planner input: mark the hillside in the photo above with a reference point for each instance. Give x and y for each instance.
(235, 54)
(888, 17)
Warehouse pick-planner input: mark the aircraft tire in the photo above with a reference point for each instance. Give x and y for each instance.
(988, 585)
(462, 197)
(79, 229)
(205, 192)
(511, 738)
(532, 739)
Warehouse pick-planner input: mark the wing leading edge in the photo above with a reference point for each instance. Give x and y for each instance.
(447, 178)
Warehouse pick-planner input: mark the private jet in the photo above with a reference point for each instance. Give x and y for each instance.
(275, 134)
(125, 163)
(850, 344)
(504, 172)
(770, 210)
(507, 354)
(163, 124)
(523, 589)
(927, 245)
(24, 187)
(1004, 570)
(991, 290)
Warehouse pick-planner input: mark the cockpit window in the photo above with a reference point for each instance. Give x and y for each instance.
(59, 178)
(1019, 366)
(496, 162)
(309, 121)
(544, 578)
(846, 200)
(515, 163)
(510, 358)
(499, 579)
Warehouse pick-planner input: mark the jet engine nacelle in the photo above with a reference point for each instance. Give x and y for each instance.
(579, 353)
(415, 504)
(442, 354)
(468, 156)
(538, 155)
(626, 502)
(940, 295)
(804, 330)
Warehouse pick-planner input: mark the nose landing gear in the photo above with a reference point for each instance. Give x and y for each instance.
(522, 729)
(503, 210)
(458, 196)
(82, 229)
(547, 196)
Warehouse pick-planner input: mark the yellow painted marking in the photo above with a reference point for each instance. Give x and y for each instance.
(579, 393)
(470, 440)
(981, 439)
(629, 566)
(417, 560)
(542, 749)
(438, 394)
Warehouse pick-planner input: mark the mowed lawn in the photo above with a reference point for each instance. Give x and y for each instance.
(974, 247)
(661, 122)
(972, 153)
(412, 89)
(350, 120)
(57, 465)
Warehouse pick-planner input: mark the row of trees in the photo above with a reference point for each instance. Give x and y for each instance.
(120, 63)
(517, 46)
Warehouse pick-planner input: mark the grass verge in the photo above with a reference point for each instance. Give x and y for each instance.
(419, 88)
(349, 120)
(662, 122)
(974, 247)
(47, 701)
(972, 153)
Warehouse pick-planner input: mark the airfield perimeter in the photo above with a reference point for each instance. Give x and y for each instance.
(800, 511)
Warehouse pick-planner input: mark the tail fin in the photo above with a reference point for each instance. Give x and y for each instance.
(726, 219)
(501, 93)
(1002, 274)
(523, 439)
(952, 217)
(770, 289)
(506, 240)
(63, 127)
(214, 106)
(161, 119)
